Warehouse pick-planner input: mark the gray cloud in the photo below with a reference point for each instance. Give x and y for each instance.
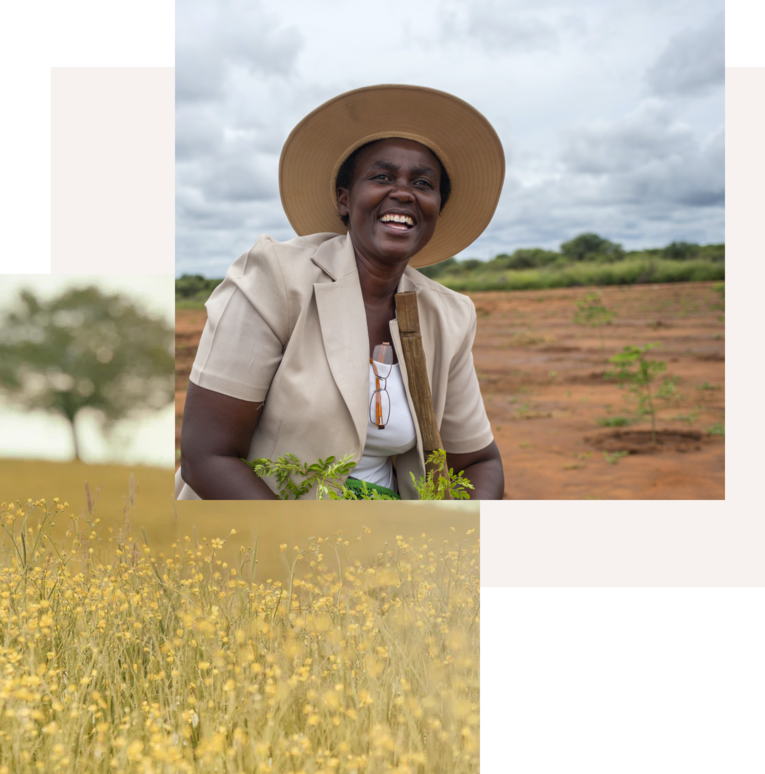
(239, 179)
(692, 64)
(198, 132)
(214, 38)
(647, 156)
(644, 136)
(500, 28)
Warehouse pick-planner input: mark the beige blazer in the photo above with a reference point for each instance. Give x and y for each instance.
(287, 326)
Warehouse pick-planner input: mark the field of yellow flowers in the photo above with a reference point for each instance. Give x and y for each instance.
(117, 658)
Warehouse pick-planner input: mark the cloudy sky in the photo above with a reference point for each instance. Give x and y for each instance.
(610, 112)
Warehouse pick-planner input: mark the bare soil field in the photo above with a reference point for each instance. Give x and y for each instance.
(542, 378)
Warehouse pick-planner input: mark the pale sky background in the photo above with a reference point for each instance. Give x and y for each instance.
(149, 439)
(611, 113)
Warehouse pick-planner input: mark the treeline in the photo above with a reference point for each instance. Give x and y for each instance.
(194, 287)
(588, 259)
(585, 248)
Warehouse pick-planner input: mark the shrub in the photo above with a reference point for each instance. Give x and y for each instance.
(587, 246)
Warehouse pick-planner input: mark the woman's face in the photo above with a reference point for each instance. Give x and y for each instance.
(393, 200)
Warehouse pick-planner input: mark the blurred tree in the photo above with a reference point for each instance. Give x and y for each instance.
(588, 246)
(681, 251)
(470, 264)
(85, 349)
(437, 269)
(195, 286)
(524, 258)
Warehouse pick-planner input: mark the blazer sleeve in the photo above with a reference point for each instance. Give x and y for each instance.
(465, 427)
(247, 328)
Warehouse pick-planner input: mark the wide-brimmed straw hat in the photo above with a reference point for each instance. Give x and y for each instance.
(456, 132)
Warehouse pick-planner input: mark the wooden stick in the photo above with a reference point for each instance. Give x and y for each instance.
(417, 371)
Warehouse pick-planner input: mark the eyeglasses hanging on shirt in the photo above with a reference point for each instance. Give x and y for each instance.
(379, 403)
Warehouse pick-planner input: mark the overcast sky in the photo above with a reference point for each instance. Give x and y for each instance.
(610, 112)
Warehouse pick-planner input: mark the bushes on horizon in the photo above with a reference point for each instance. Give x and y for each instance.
(681, 251)
(626, 272)
(591, 247)
(439, 269)
(194, 287)
(524, 258)
(587, 259)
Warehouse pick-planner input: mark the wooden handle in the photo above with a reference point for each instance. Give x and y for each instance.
(417, 370)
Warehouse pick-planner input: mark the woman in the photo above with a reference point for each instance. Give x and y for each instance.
(300, 354)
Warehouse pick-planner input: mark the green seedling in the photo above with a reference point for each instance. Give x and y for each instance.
(668, 390)
(689, 418)
(295, 479)
(635, 370)
(440, 483)
(615, 421)
(592, 312)
(613, 459)
(707, 386)
(524, 445)
(717, 429)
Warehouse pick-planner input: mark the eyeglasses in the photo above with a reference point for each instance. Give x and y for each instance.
(379, 403)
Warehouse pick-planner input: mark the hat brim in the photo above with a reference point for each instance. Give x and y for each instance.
(456, 132)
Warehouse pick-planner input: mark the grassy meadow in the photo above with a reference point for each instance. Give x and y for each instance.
(141, 494)
(272, 638)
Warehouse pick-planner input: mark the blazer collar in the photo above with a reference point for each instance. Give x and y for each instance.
(337, 258)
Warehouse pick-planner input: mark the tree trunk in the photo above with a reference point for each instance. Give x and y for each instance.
(75, 440)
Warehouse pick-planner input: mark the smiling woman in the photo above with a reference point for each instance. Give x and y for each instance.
(300, 354)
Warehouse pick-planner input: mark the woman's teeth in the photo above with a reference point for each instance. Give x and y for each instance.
(404, 220)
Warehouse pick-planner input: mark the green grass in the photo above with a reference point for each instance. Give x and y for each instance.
(615, 421)
(627, 272)
(191, 303)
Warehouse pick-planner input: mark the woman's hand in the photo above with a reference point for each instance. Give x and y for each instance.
(483, 469)
(217, 432)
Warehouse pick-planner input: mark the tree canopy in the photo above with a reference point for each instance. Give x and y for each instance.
(587, 246)
(85, 349)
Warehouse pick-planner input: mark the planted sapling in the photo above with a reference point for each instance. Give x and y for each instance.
(637, 371)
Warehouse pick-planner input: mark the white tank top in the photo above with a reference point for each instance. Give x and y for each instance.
(396, 437)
